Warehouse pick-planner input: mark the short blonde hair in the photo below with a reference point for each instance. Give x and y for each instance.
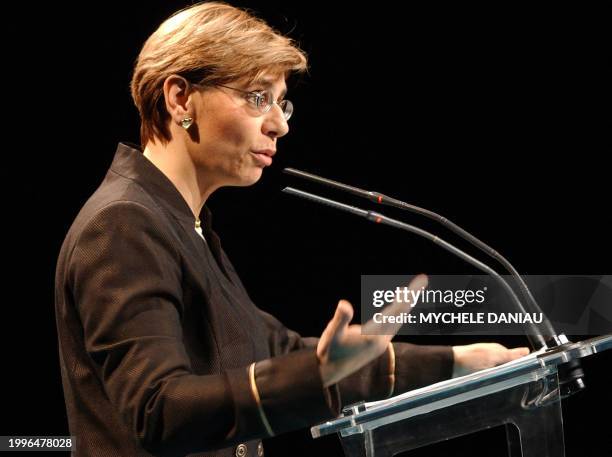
(208, 43)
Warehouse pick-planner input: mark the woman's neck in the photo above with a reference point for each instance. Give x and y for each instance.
(176, 164)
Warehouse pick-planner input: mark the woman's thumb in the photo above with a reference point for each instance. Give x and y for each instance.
(344, 313)
(342, 317)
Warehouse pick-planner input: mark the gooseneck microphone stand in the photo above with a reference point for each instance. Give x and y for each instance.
(571, 374)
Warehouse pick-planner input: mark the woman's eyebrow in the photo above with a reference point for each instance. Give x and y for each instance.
(268, 84)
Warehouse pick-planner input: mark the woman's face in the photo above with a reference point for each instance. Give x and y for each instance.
(234, 141)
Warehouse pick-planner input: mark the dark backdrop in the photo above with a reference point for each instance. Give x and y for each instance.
(496, 117)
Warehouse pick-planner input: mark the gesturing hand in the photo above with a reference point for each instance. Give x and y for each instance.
(343, 349)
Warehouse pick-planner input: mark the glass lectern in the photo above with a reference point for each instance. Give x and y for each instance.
(523, 395)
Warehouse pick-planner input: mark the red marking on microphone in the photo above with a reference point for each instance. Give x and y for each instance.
(378, 219)
(379, 199)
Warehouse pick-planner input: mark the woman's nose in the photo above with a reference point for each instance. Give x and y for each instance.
(275, 125)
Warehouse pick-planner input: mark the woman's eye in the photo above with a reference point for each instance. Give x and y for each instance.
(256, 96)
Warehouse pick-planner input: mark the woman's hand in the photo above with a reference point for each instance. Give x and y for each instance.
(342, 348)
(475, 357)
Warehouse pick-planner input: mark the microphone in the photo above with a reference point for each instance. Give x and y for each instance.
(382, 219)
(571, 373)
(382, 199)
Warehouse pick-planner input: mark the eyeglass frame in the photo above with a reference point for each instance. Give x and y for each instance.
(259, 96)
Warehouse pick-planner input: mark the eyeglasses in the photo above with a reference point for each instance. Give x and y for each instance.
(262, 100)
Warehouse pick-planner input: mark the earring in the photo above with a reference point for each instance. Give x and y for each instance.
(186, 122)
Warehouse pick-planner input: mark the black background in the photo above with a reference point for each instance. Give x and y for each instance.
(497, 117)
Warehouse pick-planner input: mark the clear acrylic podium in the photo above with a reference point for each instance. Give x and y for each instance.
(523, 395)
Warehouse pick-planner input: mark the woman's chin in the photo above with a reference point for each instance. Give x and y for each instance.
(250, 178)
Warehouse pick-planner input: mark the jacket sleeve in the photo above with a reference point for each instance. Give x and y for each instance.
(401, 368)
(125, 277)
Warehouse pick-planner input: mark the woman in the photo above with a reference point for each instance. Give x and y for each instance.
(162, 351)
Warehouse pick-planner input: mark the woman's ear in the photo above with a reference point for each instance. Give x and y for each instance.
(177, 97)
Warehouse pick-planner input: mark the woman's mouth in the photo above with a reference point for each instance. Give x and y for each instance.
(263, 158)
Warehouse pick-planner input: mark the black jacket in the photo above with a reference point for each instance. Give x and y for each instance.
(158, 337)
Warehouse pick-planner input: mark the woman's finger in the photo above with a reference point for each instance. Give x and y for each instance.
(338, 323)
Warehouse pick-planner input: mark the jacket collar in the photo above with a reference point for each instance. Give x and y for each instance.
(130, 162)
